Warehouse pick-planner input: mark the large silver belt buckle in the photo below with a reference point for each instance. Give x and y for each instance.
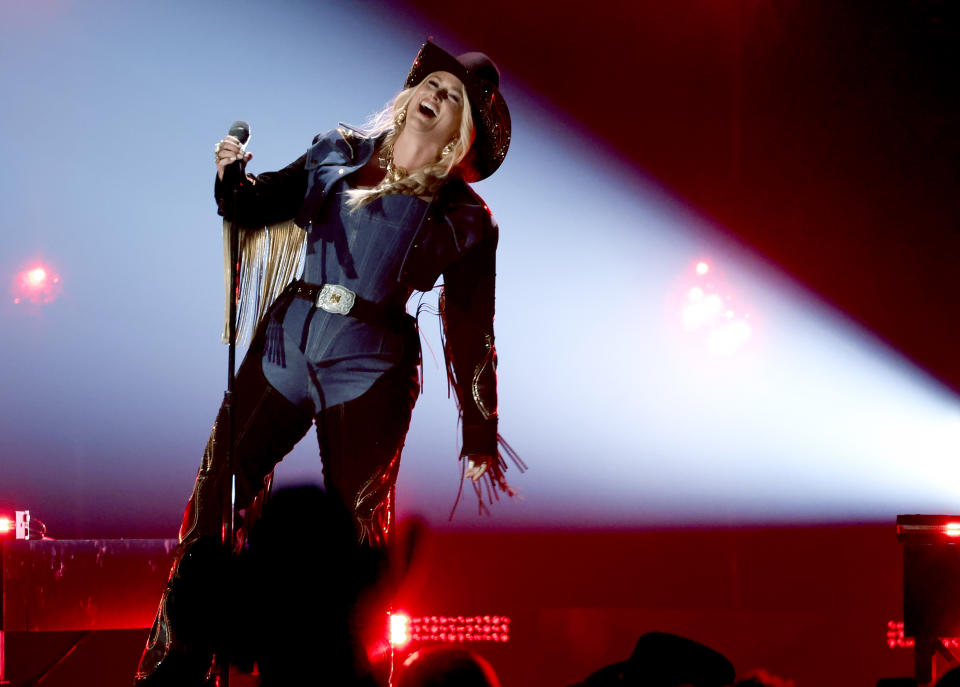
(336, 299)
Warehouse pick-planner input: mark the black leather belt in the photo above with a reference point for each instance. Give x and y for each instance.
(342, 301)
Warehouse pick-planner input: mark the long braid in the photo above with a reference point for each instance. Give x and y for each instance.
(424, 182)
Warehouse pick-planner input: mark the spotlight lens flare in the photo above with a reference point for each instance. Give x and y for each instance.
(709, 312)
(6, 525)
(38, 284)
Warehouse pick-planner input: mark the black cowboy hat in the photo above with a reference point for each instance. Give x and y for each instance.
(491, 118)
(660, 659)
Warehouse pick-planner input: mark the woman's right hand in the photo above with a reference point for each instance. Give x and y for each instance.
(228, 151)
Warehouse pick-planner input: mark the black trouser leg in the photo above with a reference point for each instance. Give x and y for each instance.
(360, 444)
(268, 426)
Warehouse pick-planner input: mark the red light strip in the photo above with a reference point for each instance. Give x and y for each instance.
(895, 636)
(460, 629)
(896, 639)
(947, 529)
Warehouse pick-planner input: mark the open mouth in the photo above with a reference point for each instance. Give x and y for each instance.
(427, 110)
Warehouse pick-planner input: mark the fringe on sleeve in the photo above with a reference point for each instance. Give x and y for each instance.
(494, 481)
(270, 258)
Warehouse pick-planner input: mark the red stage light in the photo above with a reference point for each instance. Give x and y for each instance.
(895, 637)
(702, 268)
(399, 630)
(927, 528)
(404, 630)
(17, 526)
(460, 629)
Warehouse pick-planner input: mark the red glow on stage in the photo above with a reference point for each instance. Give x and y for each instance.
(6, 525)
(38, 284)
(952, 529)
(399, 630)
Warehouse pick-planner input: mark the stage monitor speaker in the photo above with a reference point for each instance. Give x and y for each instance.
(931, 587)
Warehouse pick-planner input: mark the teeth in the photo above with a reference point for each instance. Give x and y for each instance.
(427, 106)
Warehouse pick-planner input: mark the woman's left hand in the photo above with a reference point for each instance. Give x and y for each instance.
(476, 467)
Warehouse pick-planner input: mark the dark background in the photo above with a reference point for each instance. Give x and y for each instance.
(821, 134)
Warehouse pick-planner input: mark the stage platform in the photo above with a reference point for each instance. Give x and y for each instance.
(810, 603)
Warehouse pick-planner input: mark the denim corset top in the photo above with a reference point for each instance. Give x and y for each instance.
(330, 358)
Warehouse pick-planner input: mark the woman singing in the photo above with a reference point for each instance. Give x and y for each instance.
(382, 212)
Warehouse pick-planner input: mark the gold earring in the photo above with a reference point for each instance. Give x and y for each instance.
(400, 117)
(447, 149)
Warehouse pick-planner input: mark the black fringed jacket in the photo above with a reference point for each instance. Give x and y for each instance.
(457, 238)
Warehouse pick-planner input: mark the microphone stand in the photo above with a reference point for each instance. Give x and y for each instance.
(229, 509)
(229, 512)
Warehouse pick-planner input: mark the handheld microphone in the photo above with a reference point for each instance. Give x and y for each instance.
(235, 173)
(240, 130)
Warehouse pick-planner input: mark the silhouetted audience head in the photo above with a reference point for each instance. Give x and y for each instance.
(665, 660)
(446, 667)
(293, 602)
(307, 578)
(762, 678)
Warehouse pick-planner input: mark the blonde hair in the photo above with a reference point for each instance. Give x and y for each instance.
(427, 179)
